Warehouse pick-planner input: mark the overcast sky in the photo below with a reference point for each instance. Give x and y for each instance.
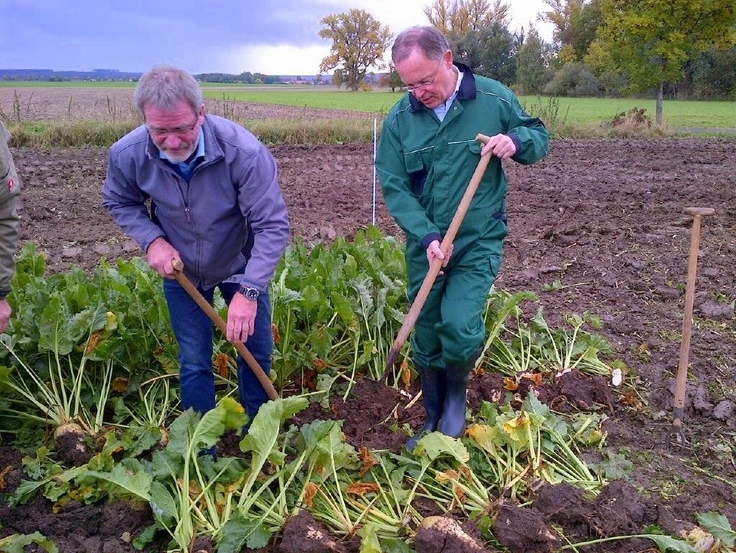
(274, 37)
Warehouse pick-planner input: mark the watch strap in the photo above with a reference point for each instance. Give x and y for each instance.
(249, 292)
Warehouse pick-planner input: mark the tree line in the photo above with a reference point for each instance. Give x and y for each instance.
(678, 49)
(243, 78)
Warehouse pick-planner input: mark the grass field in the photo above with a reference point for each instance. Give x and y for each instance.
(584, 111)
(559, 112)
(677, 113)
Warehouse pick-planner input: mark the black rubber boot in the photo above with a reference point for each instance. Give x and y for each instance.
(433, 398)
(453, 412)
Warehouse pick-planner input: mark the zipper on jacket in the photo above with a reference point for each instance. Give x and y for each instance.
(184, 197)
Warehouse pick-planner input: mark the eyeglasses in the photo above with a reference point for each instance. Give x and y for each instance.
(426, 83)
(178, 131)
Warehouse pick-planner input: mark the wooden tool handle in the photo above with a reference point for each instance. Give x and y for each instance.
(702, 211)
(214, 316)
(436, 265)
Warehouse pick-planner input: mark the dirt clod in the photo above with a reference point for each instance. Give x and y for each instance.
(523, 530)
(71, 447)
(438, 534)
(303, 534)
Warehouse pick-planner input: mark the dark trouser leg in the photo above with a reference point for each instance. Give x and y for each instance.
(193, 331)
(433, 397)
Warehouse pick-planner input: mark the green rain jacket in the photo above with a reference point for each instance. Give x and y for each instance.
(425, 166)
(9, 191)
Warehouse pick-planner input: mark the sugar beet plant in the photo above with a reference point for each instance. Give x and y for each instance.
(518, 345)
(371, 494)
(338, 306)
(338, 309)
(78, 342)
(92, 349)
(97, 350)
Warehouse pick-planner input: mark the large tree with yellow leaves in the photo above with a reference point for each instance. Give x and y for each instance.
(358, 43)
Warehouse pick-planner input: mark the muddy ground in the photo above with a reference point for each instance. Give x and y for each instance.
(597, 227)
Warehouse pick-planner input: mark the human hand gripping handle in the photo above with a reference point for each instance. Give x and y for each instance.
(220, 323)
(162, 256)
(499, 145)
(241, 318)
(437, 262)
(434, 251)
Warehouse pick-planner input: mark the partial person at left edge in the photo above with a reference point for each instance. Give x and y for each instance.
(216, 206)
(9, 192)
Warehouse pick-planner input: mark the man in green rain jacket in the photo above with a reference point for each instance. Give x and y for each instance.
(426, 157)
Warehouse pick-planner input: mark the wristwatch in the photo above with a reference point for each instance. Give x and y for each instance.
(250, 293)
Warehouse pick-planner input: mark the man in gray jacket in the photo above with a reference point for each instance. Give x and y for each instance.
(216, 206)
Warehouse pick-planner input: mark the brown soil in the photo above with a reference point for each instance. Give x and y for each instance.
(597, 227)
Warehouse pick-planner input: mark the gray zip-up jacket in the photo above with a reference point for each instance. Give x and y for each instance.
(231, 212)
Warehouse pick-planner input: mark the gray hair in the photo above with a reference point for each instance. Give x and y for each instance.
(429, 40)
(165, 86)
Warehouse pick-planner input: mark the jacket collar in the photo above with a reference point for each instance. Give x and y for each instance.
(467, 87)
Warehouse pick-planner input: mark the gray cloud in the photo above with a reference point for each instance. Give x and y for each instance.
(132, 36)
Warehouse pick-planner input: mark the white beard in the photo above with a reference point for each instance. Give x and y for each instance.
(178, 157)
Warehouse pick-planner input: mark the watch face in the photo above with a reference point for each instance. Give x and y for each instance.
(250, 293)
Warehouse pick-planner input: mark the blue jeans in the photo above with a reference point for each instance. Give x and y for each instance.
(194, 333)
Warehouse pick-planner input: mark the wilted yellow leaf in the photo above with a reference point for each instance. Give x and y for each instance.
(449, 475)
(5, 471)
(223, 362)
(484, 436)
(367, 459)
(513, 425)
(91, 344)
(194, 490)
(362, 488)
(630, 399)
(405, 374)
(120, 384)
(536, 378)
(310, 492)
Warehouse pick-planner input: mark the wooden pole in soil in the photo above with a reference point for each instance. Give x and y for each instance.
(687, 323)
